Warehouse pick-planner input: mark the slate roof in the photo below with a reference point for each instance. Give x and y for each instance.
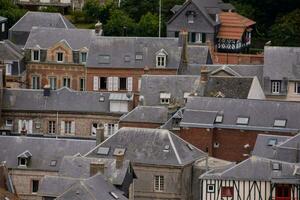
(43, 150)
(9, 51)
(41, 19)
(282, 62)
(92, 188)
(153, 85)
(263, 147)
(289, 150)
(147, 114)
(151, 147)
(256, 169)
(34, 100)
(79, 167)
(261, 113)
(45, 38)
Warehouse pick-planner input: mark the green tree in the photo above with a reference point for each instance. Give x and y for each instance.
(91, 10)
(10, 11)
(286, 30)
(120, 24)
(148, 25)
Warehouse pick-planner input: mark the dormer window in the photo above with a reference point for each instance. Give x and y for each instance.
(60, 57)
(35, 55)
(83, 57)
(23, 158)
(161, 58)
(275, 87)
(219, 119)
(23, 162)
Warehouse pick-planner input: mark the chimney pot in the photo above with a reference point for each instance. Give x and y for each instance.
(99, 135)
(119, 161)
(97, 167)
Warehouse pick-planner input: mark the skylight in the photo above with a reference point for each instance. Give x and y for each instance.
(53, 163)
(103, 150)
(104, 59)
(280, 122)
(242, 120)
(272, 142)
(219, 119)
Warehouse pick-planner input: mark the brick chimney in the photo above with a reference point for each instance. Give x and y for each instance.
(183, 42)
(97, 167)
(204, 74)
(99, 135)
(119, 155)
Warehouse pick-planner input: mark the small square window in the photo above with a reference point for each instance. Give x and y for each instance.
(276, 166)
(101, 98)
(210, 188)
(279, 123)
(53, 163)
(219, 119)
(242, 120)
(9, 122)
(272, 142)
(139, 56)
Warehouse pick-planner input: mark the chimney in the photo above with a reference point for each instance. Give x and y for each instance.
(182, 42)
(204, 74)
(119, 159)
(99, 135)
(46, 90)
(97, 167)
(98, 28)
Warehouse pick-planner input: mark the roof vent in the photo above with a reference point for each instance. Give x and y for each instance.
(167, 148)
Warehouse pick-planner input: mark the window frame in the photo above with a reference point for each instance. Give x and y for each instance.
(82, 86)
(159, 183)
(68, 80)
(51, 78)
(52, 127)
(231, 188)
(122, 83)
(297, 88)
(20, 162)
(8, 69)
(33, 51)
(161, 61)
(32, 186)
(35, 82)
(208, 190)
(7, 124)
(275, 87)
(81, 57)
(62, 56)
(101, 79)
(68, 127)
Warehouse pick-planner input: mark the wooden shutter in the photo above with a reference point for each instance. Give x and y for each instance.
(105, 130)
(129, 84)
(115, 83)
(110, 83)
(20, 126)
(203, 37)
(73, 127)
(29, 130)
(62, 127)
(96, 83)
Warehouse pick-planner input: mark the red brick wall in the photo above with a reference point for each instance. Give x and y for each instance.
(233, 58)
(231, 141)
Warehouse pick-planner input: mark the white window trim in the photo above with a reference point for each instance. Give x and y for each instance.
(296, 84)
(32, 55)
(8, 69)
(63, 57)
(161, 59)
(275, 87)
(21, 164)
(159, 189)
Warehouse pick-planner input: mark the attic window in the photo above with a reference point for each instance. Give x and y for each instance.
(165, 98)
(242, 120)
(53, 163)
(190, 16)
(219, 119)
(103, 150)
(272, 142)
(138, 56)
(161, 58)
(22, 162)
(104, 59)
(276, 166)
(280, 123)
(114, 195)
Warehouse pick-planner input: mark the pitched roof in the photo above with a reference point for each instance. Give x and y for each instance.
(261, 113)
(233, 25)
(153, 85)
(282, 62)
(46, 37)
(258, 168)
(41, 19)
(147, 114)
(96, 187)
(43, 150)
(119, 47)
(151, 146)
(34, 100)
(9, 51)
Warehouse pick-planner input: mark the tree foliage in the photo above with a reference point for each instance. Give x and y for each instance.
(148, 25)
(10, 11)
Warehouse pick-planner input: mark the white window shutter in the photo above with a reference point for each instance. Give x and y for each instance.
(62, 127)
(106, 130)
(29, 126)
(115, 83)
(139, 84)
(116, 128)
(96, 83)
(110, 83)
(19, 126)
(73, 127)
(129, 84)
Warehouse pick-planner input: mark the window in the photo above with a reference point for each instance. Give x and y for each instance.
(104, 59)
(52, 81)
(297, 88)
(83, 56)
(35, 186)
(94, 129)
(159, 183)
(275, 87)
(138, 56)
(276, 166)
(8, 69)
(103, 83)
(161, 61)
(165, 98)
(3, 27)
(227, 192)
(66, 82)
(123, 84)
(190, 18)
(60, 57)
(51, 127)
(112, 128)
(242, 120)
(35, 55)
(68, 125)
(82, 84)
(9, 122)
(280, 123)
(53, 163)
(35, 82)
(22, 162)
(197, 37)
(272, 142)
(219, 119)
(210, 188)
